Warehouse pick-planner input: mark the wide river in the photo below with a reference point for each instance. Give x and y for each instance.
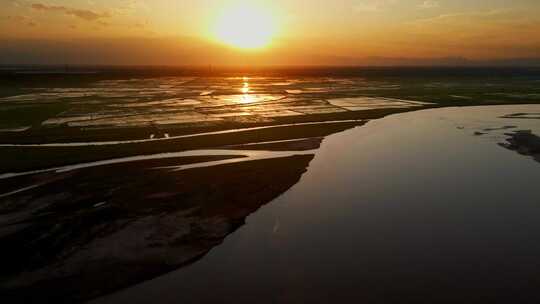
(412, 206)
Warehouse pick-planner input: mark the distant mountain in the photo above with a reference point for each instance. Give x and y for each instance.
(448, 61)
(188, 51)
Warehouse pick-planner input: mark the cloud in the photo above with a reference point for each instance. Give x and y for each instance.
(23, 20)
(429, 4)
(477, 19)
(489, 34)
(135, 4)
(15, 3)
(84, 14)
(366, 7)
(51, 8)
(139, 25)
(372, 5)
(128, 7)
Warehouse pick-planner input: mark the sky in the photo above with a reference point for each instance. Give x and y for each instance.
(303, 32)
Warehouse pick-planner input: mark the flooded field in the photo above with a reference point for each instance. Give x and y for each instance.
(274, 180)
(180, 102)
(139, 107)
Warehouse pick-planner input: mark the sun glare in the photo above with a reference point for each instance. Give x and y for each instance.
(245, 26)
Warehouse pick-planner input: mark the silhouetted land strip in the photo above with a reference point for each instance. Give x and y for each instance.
(32, 73)
(524, 142)
(93, 231)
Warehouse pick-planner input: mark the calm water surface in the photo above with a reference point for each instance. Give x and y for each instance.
(413, 206)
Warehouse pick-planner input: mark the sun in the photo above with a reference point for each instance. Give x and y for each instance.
(245, 26)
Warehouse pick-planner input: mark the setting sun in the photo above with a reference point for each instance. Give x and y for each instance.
(245, 26)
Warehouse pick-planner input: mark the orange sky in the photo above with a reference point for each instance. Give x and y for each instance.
(183, 32)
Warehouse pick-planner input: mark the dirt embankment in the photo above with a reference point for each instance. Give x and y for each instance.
(90, 232)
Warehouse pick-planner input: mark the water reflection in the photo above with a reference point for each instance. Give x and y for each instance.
(246, 98)
(181, 103)
(245, 87)
(410, 207)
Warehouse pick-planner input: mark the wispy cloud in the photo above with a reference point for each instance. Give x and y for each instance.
(372, 5)
(429, 4)
(130, 6)
(490, 33)
(25, 20)
(478, 18)
(14, 3)
(84, 14)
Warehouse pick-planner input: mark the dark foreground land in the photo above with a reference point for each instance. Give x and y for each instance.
(524, 142)
(97, 231)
